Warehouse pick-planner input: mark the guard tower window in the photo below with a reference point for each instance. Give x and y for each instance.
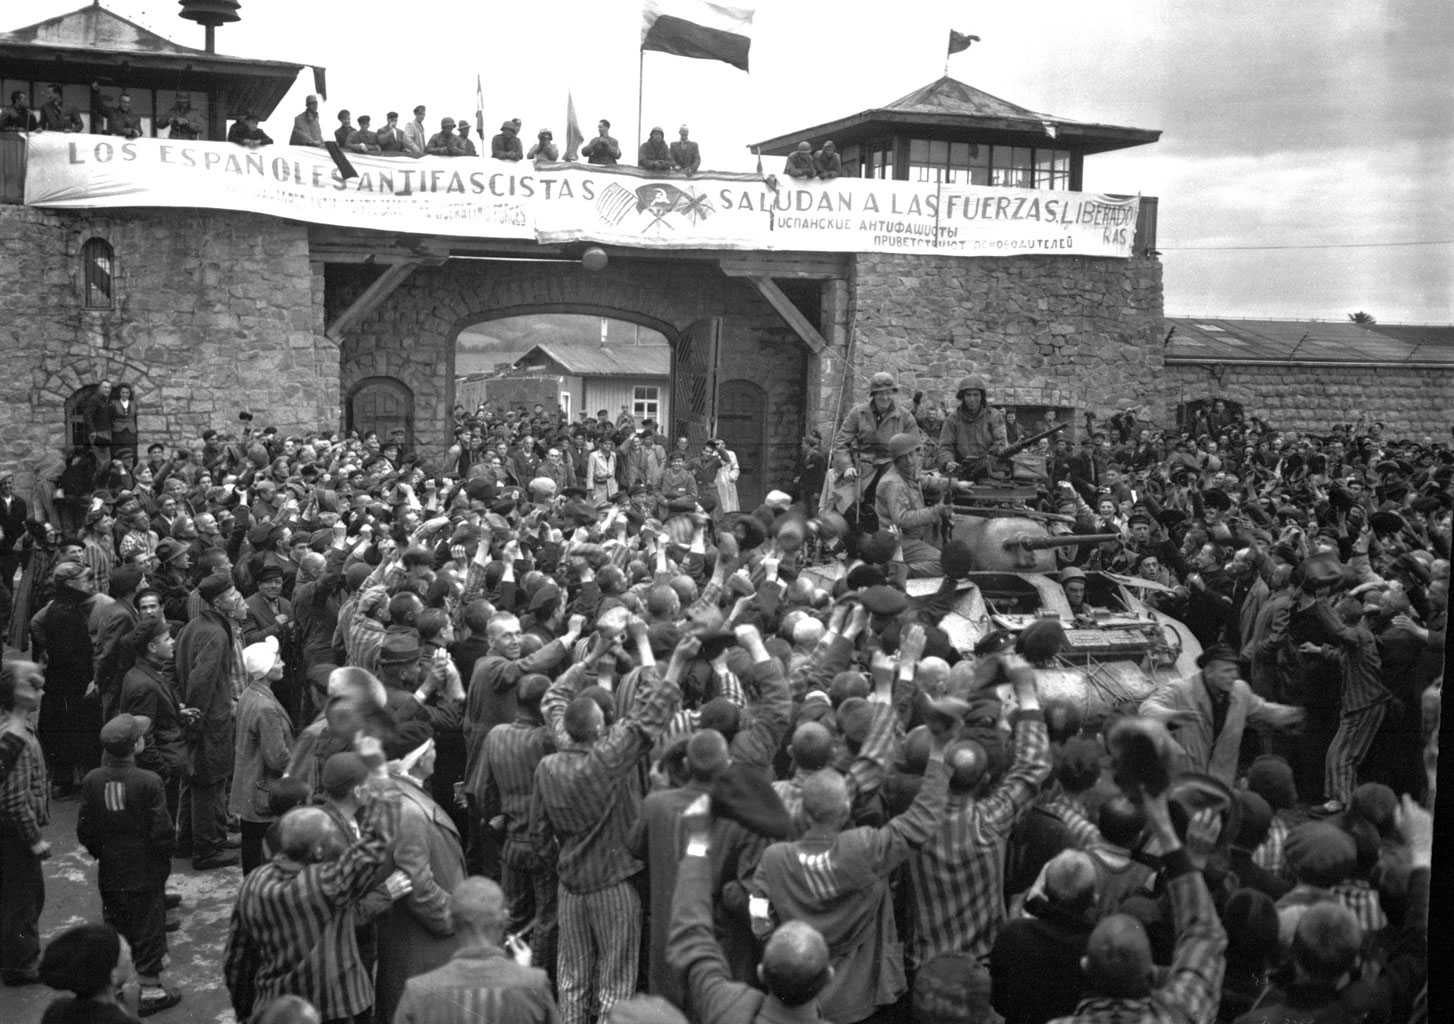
(98, 261)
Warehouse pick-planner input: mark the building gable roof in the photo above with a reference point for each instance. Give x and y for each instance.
(601, 360)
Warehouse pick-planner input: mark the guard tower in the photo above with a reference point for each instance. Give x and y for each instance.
(953, 133)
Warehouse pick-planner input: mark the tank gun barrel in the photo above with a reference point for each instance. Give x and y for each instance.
(1063, 540)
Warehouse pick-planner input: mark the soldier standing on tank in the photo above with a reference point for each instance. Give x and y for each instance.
(975, 432)
(862, 445)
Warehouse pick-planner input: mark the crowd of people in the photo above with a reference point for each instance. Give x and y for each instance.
(412, 138)
(544, 727)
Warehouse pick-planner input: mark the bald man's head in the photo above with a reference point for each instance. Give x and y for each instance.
(1070, 881)
(1326, 943)
(308, 835)
(967, 763)
(707, 755)
(812, 747)
(794, 964)
(1117, 961)
(825, 799)
(932, 676)
(478, 907)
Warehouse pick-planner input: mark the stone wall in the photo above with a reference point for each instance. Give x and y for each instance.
(211, 313)
(1301, 397)
(1043, 330)
(411, 336)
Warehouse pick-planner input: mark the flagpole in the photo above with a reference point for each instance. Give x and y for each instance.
(640, 90)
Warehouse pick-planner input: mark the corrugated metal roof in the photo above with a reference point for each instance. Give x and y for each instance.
(601, 361)
(1308, 340)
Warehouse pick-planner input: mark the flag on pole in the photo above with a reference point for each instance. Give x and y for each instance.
(959, 41)
(573, 136)
(704, 29)
(479, 108)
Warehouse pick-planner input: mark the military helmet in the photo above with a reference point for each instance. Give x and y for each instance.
(974, 382)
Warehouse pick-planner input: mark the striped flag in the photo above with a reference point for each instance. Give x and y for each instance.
(479, 108)
(703, 29)
(573, 136)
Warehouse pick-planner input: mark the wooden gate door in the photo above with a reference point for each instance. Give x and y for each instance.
(383, 405)
(694, 382)
(742, 423)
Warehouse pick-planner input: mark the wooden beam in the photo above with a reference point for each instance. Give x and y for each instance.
(802, 267)
(394, 275)
(790, 313)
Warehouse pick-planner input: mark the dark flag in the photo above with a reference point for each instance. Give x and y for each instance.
(959, 42)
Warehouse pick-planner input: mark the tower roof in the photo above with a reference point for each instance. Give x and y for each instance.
(949, 104)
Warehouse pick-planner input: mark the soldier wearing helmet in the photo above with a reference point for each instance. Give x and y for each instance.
(899, 503)
(975, 431)
(861, 447)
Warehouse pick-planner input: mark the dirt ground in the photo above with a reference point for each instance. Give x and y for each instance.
(194, 952)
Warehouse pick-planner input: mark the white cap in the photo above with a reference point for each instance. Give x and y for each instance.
(259, 658)
(777, 500)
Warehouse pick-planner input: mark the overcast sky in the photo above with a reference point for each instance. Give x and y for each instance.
(1312, 123)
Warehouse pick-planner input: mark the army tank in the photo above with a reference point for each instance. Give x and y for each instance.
(1007, 573)
(1118, 648)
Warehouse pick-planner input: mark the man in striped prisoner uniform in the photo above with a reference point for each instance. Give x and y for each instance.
(502, 787)
(480, 982)
(957, 877)
(586, 800)
(289, 932)
(838, 881)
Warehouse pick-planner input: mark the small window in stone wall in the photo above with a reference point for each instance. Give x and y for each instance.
(98, 262)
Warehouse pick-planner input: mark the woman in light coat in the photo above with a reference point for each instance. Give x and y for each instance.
(726, 481)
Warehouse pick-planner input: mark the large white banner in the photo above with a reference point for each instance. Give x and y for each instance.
(481, 198)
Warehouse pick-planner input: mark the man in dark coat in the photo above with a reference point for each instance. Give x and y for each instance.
(13, 514)
(210, 676)
(1047, 943)
(61, 640)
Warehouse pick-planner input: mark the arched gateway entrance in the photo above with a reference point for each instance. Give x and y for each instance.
(720, 329)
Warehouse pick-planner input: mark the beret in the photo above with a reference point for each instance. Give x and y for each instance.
(399, 647)
(119, 735)
(545, 597)
(1321, 854)
(884, 600)
(343, 769)
(169, 549)
(214, 586)
(124, 579)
